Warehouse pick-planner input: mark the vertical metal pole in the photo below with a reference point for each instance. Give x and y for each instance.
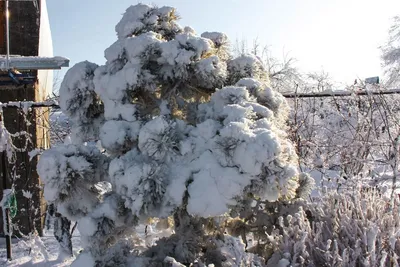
(7, 36)
(6, 213)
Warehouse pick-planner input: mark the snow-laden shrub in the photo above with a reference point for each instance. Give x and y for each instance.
(355, 228)
(188, 132)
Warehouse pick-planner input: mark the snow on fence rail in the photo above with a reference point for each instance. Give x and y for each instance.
(341, 93)
(53, 103)
(25, 105)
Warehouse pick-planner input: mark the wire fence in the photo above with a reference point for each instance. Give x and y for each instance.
(349, 131)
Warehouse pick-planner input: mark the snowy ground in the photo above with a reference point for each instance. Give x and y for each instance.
(41, 252)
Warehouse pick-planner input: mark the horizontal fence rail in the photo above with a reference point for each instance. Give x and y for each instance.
(54, 104)
(30, 104)
(341, 93)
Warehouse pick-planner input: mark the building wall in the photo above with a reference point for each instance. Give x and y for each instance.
(45, 77)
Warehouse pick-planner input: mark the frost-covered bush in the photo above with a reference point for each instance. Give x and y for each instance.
(185, 132)
(355, 228)
(351, 135)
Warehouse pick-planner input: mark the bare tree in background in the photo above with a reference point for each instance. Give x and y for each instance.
(391, 55)
(57, 79)
(318, 81)
(283, 74)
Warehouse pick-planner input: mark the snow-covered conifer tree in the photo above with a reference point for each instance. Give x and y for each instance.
(185, 131)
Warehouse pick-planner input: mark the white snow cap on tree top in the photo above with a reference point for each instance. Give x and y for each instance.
(143, 18)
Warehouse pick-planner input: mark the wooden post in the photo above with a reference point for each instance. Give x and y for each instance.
(24, 41)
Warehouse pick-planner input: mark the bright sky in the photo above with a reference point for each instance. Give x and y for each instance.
(339, 36)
